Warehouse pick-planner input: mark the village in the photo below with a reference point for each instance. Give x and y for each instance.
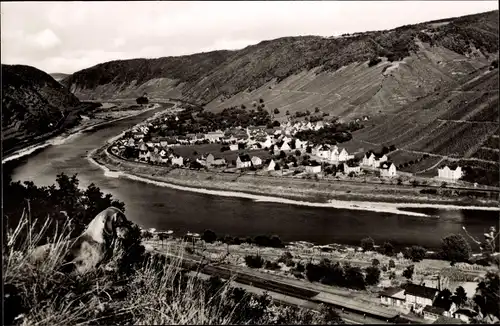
(274, 149)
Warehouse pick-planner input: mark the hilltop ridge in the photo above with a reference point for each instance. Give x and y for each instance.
(218, 75)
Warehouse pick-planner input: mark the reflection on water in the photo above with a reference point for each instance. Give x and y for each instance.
(164, 208)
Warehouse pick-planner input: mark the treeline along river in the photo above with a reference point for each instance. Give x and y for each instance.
(163, 208)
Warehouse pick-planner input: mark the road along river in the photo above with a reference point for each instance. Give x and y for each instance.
(165, 208)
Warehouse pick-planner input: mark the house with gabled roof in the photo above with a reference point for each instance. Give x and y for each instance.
(393, 296)
(177, 160)
(450, 173)
(388, 170)
(144, 153)
(256, 161)
(271, 166)
(313, 167)
(243, 161)
(417, 296)
(351, 166)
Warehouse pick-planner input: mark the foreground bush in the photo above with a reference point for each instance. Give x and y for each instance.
(132, 288)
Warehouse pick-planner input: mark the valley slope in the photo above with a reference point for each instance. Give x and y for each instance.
(428, 88)
(34, 106)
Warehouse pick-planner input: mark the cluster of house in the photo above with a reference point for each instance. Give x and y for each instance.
(291, 128)
(157, 154)
(421, 299)
(387, 169)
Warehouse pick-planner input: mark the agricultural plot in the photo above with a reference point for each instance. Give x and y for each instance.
(493, 141)
(422, 166)
(401, 157)
(453, 139)
(483, 107)
(488, 154)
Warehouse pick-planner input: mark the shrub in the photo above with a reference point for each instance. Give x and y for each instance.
(374, 61)
(367, 244)
(392, 264)
(375, 262)
(254, 261)
(276, 111)
(388, 249)
(408, 272)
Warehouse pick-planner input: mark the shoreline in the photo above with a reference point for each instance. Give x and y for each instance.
(374, 206)
(61, 139)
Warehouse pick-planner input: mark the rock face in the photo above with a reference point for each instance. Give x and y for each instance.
(34, 105)
(361, 73)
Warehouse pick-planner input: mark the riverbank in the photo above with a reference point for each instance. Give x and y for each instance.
(84, 126)
(379, 198)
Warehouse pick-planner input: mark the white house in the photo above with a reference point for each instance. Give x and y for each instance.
(323, 151)
(348, 168)
(256, 161)
(344, 156)
(268, 143)
(451, 174)
(144, 153)
(313, 167)
(177, 160)
(465, 314)
(243, 161)
(387, 170)
(433, 313)
(285, 147)
(300, 144)
(233, 147)
(271, 166)
(214, 136)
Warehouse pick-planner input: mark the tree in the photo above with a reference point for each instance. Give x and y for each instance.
(455, 248)
(276, 123)
(408, 272)
(443, 299)
(375, 262)
(142, 100)
(367, 244)
(209, 236)
(297, 153)
(372, 275)
(488, 295)
(392, 264)
(243, 107)
(388, 249)
(276, 111)
(385, 150)
(287, 112)
(316, 110)
(460, 297)
(354, 278)
(416, 253)
(261, 100)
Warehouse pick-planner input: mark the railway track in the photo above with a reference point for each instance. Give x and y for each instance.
(313, 298)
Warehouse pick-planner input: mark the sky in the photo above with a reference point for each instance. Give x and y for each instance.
(70, 36)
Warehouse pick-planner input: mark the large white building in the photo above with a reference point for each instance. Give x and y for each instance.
(451, 174)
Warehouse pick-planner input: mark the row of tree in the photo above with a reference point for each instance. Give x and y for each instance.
(454, 248)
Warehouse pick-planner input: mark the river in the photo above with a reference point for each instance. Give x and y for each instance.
(168, 209)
